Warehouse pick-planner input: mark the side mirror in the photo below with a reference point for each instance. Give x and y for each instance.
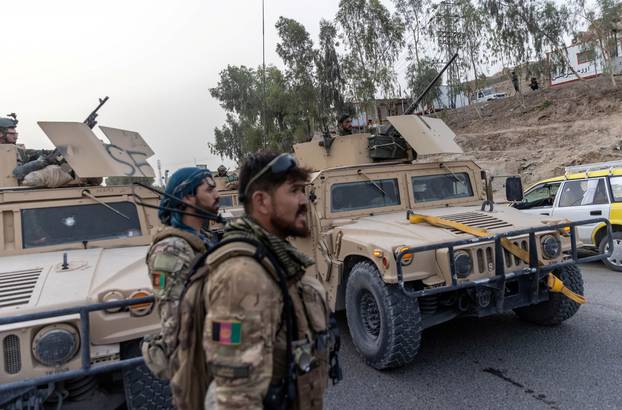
(514, 189)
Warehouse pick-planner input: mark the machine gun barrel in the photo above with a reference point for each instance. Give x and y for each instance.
(412, 107)
(90, 120)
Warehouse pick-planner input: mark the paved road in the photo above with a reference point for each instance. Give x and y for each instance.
(501, 362)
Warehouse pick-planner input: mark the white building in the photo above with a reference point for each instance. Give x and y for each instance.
(587, 61)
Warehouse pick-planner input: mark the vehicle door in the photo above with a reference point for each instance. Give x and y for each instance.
(539, 199)
(583, 199)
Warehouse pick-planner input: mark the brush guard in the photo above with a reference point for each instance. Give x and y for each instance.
(500, 275)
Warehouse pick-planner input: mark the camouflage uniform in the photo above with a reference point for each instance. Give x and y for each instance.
(169, 260)
(244, 332)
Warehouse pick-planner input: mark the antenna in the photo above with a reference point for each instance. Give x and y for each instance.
(263, 41)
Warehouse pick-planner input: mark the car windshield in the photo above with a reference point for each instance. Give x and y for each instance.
(78, 223)
(428, 188)
(366, 194)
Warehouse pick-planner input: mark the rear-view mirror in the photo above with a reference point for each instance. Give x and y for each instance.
(514, 189)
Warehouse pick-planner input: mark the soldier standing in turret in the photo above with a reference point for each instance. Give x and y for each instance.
(345, 124)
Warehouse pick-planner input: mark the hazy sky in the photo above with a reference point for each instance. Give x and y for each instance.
(155, 59)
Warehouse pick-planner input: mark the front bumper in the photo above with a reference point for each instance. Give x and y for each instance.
(532, 274)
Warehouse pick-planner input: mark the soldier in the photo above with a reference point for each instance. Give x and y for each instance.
(174, 248)
(515, 82)
(265, 335)
(345, 124)
(8, 132)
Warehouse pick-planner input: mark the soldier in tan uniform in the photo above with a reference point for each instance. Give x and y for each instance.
(173, 251)
(266, 334)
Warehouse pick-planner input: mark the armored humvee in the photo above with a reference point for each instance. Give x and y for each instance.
(71, 259)
(403, 244)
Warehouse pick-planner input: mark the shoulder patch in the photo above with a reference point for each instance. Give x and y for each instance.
(164, 262)
(227, 332)
(158, 280)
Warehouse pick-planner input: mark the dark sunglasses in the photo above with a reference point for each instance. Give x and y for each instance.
(278, 165)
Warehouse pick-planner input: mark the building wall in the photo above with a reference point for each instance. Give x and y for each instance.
(585, 62)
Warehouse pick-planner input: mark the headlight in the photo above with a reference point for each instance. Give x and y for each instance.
(462, 263)
(55, 345)
(551, 246)
(141, 309)
(113, 296)
(407, 259)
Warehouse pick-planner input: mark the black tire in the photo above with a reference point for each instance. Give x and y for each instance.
(615, 261)
(558, 308)
(143, 391)
(384, 323)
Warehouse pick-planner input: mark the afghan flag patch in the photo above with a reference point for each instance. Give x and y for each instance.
(158, 280)
(227, 333)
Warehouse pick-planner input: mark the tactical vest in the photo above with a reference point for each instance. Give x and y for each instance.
(311, 344)
(156, 349)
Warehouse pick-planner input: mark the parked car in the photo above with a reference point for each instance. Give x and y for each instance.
(585, 191)
(488, 94)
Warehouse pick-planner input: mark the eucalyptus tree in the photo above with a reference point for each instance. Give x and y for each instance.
(330, 81)
(373, 39)
(604, 21)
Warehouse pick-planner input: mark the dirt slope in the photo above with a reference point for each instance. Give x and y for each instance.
(578, 123)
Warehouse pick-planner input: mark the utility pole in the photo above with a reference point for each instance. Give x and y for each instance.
(263, 40)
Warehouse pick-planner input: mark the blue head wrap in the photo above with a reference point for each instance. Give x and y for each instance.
(183, 182)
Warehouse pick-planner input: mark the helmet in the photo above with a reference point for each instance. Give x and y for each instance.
(8, 123)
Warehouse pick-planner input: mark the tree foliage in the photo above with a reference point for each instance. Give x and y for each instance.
(373, 39)
(360, 54)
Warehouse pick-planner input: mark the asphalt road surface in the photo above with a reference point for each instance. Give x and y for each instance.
(502, 362)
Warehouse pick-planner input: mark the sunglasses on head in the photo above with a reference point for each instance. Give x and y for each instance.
(282, 163)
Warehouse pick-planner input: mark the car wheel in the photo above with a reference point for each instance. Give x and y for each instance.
(384, 323)
(614, 262)
(558, 308)
(143, 391)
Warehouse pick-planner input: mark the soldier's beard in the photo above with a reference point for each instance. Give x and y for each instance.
(287, 228)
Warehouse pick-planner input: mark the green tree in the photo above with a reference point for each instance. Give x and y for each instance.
(330, 81)
(604, 22)
(373, 39)
(296, 50)
(419, 76)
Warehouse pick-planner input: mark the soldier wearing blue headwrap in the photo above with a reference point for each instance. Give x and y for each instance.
(183, 237)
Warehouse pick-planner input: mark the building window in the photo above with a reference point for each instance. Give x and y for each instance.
(585, 56)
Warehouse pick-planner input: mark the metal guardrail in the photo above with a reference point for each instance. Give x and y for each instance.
(85, 343)
(500, 274)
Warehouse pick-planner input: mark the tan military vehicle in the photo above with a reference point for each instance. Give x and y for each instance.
(397, 270)
(63, 252)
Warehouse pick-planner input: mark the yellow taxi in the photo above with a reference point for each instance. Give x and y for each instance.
(584, 192)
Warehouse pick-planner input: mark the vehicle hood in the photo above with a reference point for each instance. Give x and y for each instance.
(393, 229)
(37, 282)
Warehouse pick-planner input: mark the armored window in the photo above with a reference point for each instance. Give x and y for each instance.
(583, 192)
(226, 201)
(77, 223)
(366, 194)
(428, 188)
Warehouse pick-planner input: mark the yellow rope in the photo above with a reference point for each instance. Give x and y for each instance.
(554, 283)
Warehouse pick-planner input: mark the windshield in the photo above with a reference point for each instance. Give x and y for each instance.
(78, 223)
(430, 188)
(376, 193)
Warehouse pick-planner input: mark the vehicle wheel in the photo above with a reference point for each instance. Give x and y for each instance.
(384, 323)
(143, 390)
(558, 308)
(614, 262)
